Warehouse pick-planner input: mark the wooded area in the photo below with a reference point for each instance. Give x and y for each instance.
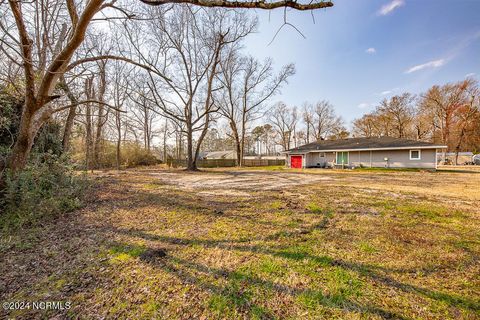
(107, 85)
(103, 72)
(446, 114)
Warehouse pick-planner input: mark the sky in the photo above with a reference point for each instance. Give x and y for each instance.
(359, 52)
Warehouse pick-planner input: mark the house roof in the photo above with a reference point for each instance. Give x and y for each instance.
(358, 144)
(227, 154)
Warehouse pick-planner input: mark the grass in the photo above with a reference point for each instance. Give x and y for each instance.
(357, 245)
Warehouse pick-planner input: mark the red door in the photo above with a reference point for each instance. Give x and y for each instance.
(295, 161)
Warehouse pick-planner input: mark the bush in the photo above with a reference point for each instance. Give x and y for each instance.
(131, 155)
(136, 156)
(46, 188)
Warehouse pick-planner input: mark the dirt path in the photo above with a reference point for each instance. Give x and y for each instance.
(240, 180)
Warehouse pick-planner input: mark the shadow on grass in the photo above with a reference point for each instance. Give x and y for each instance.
(375, 273)
(235, 293)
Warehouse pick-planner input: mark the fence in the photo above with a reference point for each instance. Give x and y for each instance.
(218, 163)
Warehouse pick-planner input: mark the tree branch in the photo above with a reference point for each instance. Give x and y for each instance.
(118, 58)
(247, 4)
(88, 101)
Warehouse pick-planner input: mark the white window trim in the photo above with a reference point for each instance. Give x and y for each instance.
(419, 154)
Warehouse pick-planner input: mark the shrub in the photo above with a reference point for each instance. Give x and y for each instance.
(131, 155)
(46, 188)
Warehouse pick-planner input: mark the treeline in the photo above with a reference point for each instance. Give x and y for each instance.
(170, 77)
(100, 82)
(445, 114)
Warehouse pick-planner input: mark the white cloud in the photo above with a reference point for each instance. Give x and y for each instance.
(390, 7)
(431, 64)
(384, 93)
(371, 51)
(470, 75)
(364, 105)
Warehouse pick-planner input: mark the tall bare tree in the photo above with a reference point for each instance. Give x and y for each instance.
(284, 121)
(322, 120)
(247, 85)
(399, 110)
(195, 42)
(42, 38)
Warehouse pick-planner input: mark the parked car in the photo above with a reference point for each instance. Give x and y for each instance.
(476, 159)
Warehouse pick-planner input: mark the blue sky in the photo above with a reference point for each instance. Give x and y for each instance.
(415, 44)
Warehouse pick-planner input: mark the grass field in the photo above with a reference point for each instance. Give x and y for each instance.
(256, 244)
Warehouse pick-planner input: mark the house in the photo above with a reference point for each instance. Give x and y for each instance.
(383, 152)
(226, 154)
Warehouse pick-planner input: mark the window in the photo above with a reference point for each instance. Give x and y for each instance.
(322, 154)
(415, 155)
(342, 157)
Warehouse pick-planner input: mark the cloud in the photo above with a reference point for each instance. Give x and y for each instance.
(384, 93)
(390, 7)
(371, 51)
(364, 105)
(470, 75)
(431, 64)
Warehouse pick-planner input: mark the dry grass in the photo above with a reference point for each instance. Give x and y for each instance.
(250, 244)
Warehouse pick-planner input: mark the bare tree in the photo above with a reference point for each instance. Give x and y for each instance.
(284, 121)
(442, 103)
(42, 38)
(195, 42)
(143, 112)
(247, 86)
(468, 114)
(399, 110)
(308, 115)
(120, 91)
(324, 121)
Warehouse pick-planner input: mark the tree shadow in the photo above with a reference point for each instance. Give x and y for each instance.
(375, 273)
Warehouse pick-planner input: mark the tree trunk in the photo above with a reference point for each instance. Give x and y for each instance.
(459, 144)
(236, 137)
(89, 139)
(117, 154)
(72, 112)
(242, 139)
(308, 133)
(67, 131)
(200, 140)
(191, 163)
(18, 157)
(118, 123)
(98, 136)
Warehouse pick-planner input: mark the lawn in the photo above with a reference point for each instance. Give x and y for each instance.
(256, 244)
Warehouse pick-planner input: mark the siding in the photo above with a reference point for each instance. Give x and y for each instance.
(313, 159)
(396, 159)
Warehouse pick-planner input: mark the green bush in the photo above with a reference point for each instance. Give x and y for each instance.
(46, 188)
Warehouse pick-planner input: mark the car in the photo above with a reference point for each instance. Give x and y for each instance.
(476, 159)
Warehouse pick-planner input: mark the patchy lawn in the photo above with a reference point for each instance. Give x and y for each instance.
(253, 244)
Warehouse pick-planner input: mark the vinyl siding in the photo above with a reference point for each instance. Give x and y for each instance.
(396, 159)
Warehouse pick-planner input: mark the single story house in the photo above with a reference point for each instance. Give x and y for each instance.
(225, 154)
(382, 152)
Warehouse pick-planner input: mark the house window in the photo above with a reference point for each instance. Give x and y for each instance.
(342, 157)
(322, 154)
(415, 155)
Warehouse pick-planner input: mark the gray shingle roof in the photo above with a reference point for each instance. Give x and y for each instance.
(362, 143)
